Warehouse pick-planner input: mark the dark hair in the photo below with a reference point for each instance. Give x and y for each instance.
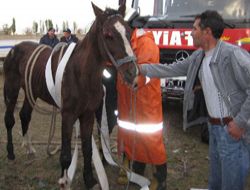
(213, 20)
(51, 29)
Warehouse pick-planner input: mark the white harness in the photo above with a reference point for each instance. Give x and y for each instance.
(55, 88)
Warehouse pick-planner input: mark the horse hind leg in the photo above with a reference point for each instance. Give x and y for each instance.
(25, 117)
(65, 156)
(11, 90)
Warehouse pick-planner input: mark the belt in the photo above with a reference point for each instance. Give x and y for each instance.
(220, 121)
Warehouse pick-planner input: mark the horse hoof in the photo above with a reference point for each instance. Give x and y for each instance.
(64, 183)
(11, 156)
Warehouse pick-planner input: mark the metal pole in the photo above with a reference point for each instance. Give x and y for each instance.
(135, 4)
(158, 7)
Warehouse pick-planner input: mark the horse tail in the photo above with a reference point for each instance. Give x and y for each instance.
(11, 75)
(4, 95)
(9, 61)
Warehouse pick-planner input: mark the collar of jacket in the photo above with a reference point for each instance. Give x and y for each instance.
(217, 51)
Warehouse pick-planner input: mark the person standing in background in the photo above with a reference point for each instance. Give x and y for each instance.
(50, 38)
(68, 37)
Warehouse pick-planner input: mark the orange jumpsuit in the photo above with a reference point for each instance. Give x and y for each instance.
(140, 117)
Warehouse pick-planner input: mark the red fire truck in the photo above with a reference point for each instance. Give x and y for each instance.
(171, 22)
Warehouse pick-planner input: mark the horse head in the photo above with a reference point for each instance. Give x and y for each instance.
(114, 41)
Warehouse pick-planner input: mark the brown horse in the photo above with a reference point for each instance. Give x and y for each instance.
(81, 86)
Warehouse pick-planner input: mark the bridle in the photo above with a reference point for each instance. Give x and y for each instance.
(117, 63)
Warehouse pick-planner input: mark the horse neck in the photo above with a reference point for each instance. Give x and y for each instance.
(90, 56)
(90, 44)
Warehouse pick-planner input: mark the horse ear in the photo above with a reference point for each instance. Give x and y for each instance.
(96, 9)
(122, 8)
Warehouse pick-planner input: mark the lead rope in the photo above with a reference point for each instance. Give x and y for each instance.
(133, 116)
(142, 181)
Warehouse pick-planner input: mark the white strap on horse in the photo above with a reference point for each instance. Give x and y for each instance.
(72, 167)
(133, 177)
(101, 174)
(48, 75)
(55, 88)
(55, 92)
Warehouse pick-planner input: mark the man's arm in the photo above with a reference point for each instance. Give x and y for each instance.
(165, 70)
(241, 66)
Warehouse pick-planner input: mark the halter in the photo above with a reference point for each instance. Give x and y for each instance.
(119, 62)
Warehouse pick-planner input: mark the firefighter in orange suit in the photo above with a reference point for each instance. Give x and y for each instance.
(140, 119)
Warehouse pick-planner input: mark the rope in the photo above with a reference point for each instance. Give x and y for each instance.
(52, 133)
(134, 137)
(53, 120)
(31, 99)
(28, 85)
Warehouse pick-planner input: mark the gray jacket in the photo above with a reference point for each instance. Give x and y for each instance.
(230, 67)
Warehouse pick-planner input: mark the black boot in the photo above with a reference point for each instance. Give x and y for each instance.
(160, 177)
(139, 167)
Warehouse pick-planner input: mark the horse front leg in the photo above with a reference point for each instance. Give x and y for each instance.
(86, 129)
(65, 156)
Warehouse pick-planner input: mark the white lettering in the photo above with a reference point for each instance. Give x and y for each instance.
(175, 38)
(165, 38)
(157, 36)
(189, 38)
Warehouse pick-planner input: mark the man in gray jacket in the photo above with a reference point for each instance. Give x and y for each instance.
(222, 73)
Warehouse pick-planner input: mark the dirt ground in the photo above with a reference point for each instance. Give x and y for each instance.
(187, 155)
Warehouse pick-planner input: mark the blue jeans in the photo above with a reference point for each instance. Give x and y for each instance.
(229, 160)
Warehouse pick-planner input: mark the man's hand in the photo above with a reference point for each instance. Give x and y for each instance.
(235, 131)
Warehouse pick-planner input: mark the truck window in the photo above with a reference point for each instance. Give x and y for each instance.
(229, 9)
